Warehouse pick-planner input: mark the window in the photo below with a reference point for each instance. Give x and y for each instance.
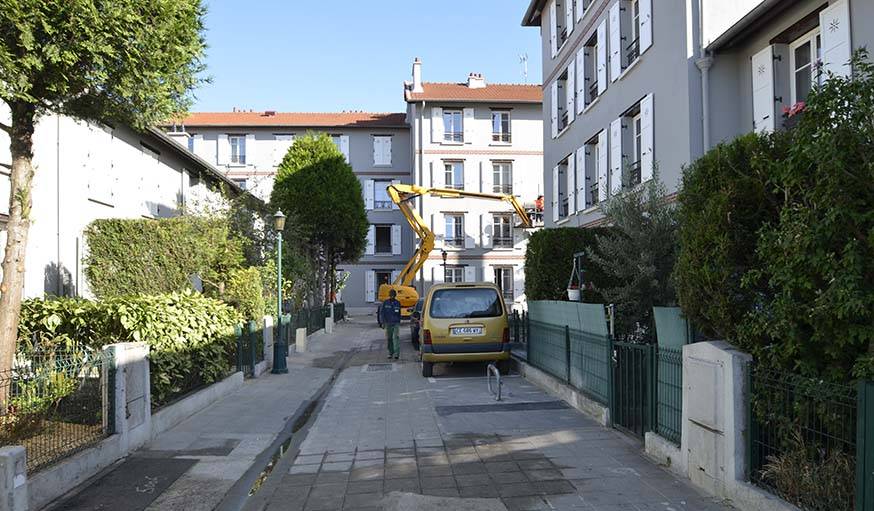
(804, 58)
(453, 174)
(382, 237)
(238, 149)
(453, 274)
(454, 231)
(563, 113)
(382, 150)
(632, 51)
(382, 277)
(594, 65)
(502, 177)
(504, 281)
(591, 72)
(381, 200)
(503, 231)
(563, 205)
(594, 155)
(241, 183)
(191, 143)
(470, 302)
(453, 127)
(634, 165)
(501, 127)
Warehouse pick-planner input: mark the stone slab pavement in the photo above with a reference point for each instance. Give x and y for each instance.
(387, 438)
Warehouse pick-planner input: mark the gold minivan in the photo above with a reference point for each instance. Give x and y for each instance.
(464, 322)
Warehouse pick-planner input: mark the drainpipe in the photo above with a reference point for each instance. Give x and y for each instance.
(704, 64)
(420, 158)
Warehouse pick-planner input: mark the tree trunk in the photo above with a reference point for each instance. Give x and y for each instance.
(11, 288)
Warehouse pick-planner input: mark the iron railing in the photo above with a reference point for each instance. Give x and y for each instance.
(593, 92)
(53, 405)
(669, 393)
(501, 137)
(506, 189)
(634, 176)
(519, 328)
(453, 136)
(503, 242)
(593, 192)
(250, 347)
(632, 51)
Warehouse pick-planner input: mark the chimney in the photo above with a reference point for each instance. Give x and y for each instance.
(269, 113)
(476, 81)
(417, 75)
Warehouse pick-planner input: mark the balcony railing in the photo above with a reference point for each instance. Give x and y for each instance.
(238, 159)
(563, 120)
(563, 208)
(454, 186)
(501, 137)
(453, 136)
(633, 50)
(593, 193)
(382, 204)
(504, 189)
(593, 90)
(503, 242)
(634, 174)
(454, 242)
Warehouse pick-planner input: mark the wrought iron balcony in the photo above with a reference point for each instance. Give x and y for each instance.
(634, 174)
(633, 50)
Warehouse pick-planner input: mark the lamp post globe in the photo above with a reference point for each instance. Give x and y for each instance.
(280, 344)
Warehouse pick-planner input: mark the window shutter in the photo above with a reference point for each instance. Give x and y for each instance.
(198, 148)
(251, 150)
(223, 149)
(553, 28)
(579, 10)
(554, 108)
(602, 166)
(471, 176)
(569, 16)
(468, 125)
(554, 201)
(281, 145)
(571, 185)
(368, 194)
(486, 228)
(644, 23)
(581, 179)
(616, 156)
(377, 150)
(570, 89)
(647, 154)
(488, 178)
(581, 79)
(438, 179)
(834, 28)
(395, 182)
(763, 90)
(370, 286)
(438, 227)
(386, 150)
(396, 240)
(371, 240)
(615, 43)
(602, 57)
(470, 273)
(469, 241)
(344, 147)
(436, 125)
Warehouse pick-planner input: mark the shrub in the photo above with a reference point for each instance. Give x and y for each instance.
(245, 292)
(549, 260)
(190, 336)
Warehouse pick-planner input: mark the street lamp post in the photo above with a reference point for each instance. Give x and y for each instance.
(280, 346)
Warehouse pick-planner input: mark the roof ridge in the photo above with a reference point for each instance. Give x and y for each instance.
(488, 84)
(294, 113)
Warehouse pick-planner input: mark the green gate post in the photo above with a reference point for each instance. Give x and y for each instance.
(238, 331)
(567, 352)
(651, 394)
(865, 447)
(252, 345)
(611, 393)
(527, 320)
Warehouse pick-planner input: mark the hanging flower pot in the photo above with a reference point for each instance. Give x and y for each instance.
(573, 293)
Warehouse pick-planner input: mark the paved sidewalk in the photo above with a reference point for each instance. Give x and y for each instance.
(386, 436)
(192, 466)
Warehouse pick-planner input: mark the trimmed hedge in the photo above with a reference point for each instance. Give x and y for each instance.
(190, 337)
(550, 259)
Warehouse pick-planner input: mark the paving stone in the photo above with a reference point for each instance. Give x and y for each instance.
(473, 480)
(544, 475)
(369, 455)
(364, 487)
(324, 503)
(400, 471)
(332, 458)
(299, 480)
(517, 490)
(468, 468)
(338, 466)
(433, 459)
(435, 471)
(327, 490)
(553, 487)
(400, 453)
(508, 477)
(367, 473)
(367, 463)
(525, 504)
(437, 482)
(403, 485)
(303, 469)
(479, 492)
(535, 464)
(501, 466)
(332, 477)
(441, 492)
(363, 499)
(308, 459)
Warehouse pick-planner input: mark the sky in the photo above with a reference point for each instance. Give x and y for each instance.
(329, 56)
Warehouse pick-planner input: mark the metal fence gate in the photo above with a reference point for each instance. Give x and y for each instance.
(632, 399)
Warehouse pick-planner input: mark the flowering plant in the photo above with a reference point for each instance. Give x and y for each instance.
(791, 111)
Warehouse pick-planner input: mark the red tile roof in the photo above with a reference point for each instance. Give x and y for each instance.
(296, 119)
(491, 93)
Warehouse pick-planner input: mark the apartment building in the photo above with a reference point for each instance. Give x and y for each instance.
(87, 171)
(479, 137)
(248, 147)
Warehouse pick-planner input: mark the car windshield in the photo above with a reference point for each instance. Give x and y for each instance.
(465, 303)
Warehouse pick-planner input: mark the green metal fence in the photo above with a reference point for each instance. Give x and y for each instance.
(669, 393)
(519, 328)
(250, 347)
(803, 439)
(316, 320)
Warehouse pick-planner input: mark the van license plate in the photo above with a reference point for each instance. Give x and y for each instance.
(467, 330)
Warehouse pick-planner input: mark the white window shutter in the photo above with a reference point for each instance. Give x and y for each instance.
(602, 166)
(368, 194)
(436, 125)
(488, 179)
(581, 80)
(570, 89)
(486, 227)
(569, 16)
(581, 179)
(377, 150)
(644, 23)
(281, 145)
(601, 72)
(834, 28)
(438, 227)
(251, 150)
(763, 90)
(395, 182)
(647, 154)
(554, 108)
(467, 229)
(615, 43)
(370, 286)
(386, 150)
(553, 28)
(470, 273)
(223, 149)
(468, 125)
(570, 175)
(471, 176)
(554, 201)
(371, 240)
(199, 149)
(616, 156)
(344, 147)
(396, 240)
(579, 10)
(438, 175)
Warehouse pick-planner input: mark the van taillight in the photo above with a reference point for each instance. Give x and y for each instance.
(426, 337)
(506, 338)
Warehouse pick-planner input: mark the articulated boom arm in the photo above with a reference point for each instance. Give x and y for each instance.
(402, 195)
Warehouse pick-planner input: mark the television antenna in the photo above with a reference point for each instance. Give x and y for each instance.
(523, 60)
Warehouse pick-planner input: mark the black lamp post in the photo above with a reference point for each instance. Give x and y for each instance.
(444, 254)
(280, 346)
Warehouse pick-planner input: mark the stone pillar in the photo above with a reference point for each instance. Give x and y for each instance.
(300, 340)
(269, 339)
(130, 392)
(13, 478)
(329, 325)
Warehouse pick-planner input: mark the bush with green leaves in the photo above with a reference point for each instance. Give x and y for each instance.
(549, 261)
(190, 336)
(245, 292)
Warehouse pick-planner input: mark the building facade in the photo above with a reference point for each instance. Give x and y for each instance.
(86, 171)
(477, 137)
(249, 146)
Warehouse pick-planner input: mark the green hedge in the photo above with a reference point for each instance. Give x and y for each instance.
(549, 261)
(190, 337)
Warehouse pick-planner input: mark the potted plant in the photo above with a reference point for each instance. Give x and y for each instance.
(573, 292)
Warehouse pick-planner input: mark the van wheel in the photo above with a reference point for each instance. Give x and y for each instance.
(427, 369)
(503, 367)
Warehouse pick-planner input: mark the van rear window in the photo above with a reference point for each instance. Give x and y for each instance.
(477, 302)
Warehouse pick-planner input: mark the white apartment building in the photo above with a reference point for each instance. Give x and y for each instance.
(479, 137)
(87, 171)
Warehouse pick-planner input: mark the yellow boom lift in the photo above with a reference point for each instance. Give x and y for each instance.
(403, 195)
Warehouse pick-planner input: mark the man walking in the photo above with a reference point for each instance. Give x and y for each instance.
(390, 313)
